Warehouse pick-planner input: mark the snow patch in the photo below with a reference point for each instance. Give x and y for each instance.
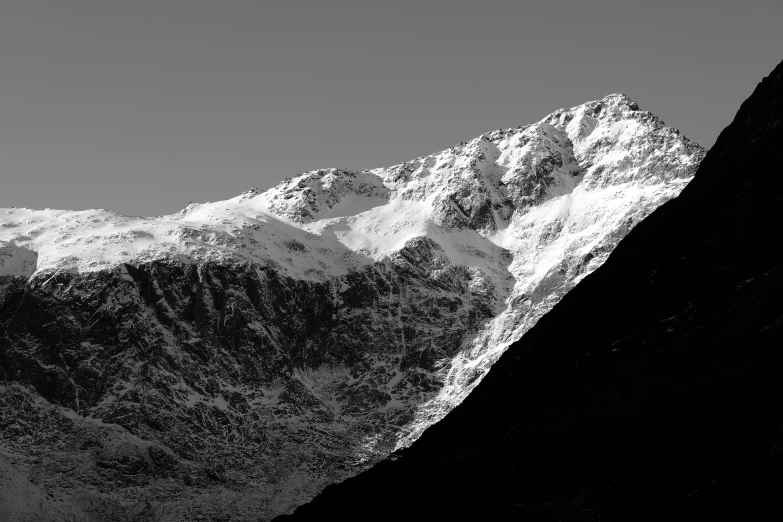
(17, 260)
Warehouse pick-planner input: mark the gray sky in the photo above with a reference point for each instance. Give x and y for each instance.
(142, 106)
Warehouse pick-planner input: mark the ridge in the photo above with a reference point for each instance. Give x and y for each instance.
(259, 348)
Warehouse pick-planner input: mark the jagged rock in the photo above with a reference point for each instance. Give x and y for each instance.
(238, 356)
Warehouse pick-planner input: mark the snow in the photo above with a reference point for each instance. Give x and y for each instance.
(16, 260)
(380, 230)
(616, 128)
(87, 241)
(352, 205)
(604, 168)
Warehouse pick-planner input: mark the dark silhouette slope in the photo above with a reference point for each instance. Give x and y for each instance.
(653, 391)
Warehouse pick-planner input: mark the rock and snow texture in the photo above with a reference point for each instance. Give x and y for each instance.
(17, 261)
(281, 340)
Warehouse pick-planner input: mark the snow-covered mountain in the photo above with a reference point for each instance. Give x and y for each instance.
(238, 356)
(651, 392)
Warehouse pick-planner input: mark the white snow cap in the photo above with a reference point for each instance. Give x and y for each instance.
(498, 191)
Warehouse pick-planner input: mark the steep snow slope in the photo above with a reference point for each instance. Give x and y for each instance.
(281, 340)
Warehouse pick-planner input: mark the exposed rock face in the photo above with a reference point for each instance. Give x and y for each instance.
(652, 391)
(233, 359)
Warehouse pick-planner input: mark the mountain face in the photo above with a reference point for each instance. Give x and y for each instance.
(233, 359)
(652, 391)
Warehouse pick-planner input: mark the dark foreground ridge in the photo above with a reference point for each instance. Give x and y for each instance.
(653, 391)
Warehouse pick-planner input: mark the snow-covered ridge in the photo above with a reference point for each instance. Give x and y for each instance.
(470, 194)
(529, 211)
(342, 312)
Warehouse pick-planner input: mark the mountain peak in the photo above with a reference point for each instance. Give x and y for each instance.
(303, 332)
(650, 392)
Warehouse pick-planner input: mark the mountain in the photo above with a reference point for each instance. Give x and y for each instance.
(651, 391)
(234, 358)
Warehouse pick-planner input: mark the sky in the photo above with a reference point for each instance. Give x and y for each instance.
(142, 107)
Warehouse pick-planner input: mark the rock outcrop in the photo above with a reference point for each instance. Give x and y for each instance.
(233, 359)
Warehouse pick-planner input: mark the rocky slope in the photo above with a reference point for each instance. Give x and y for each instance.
(229, 361)
(652, 391)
